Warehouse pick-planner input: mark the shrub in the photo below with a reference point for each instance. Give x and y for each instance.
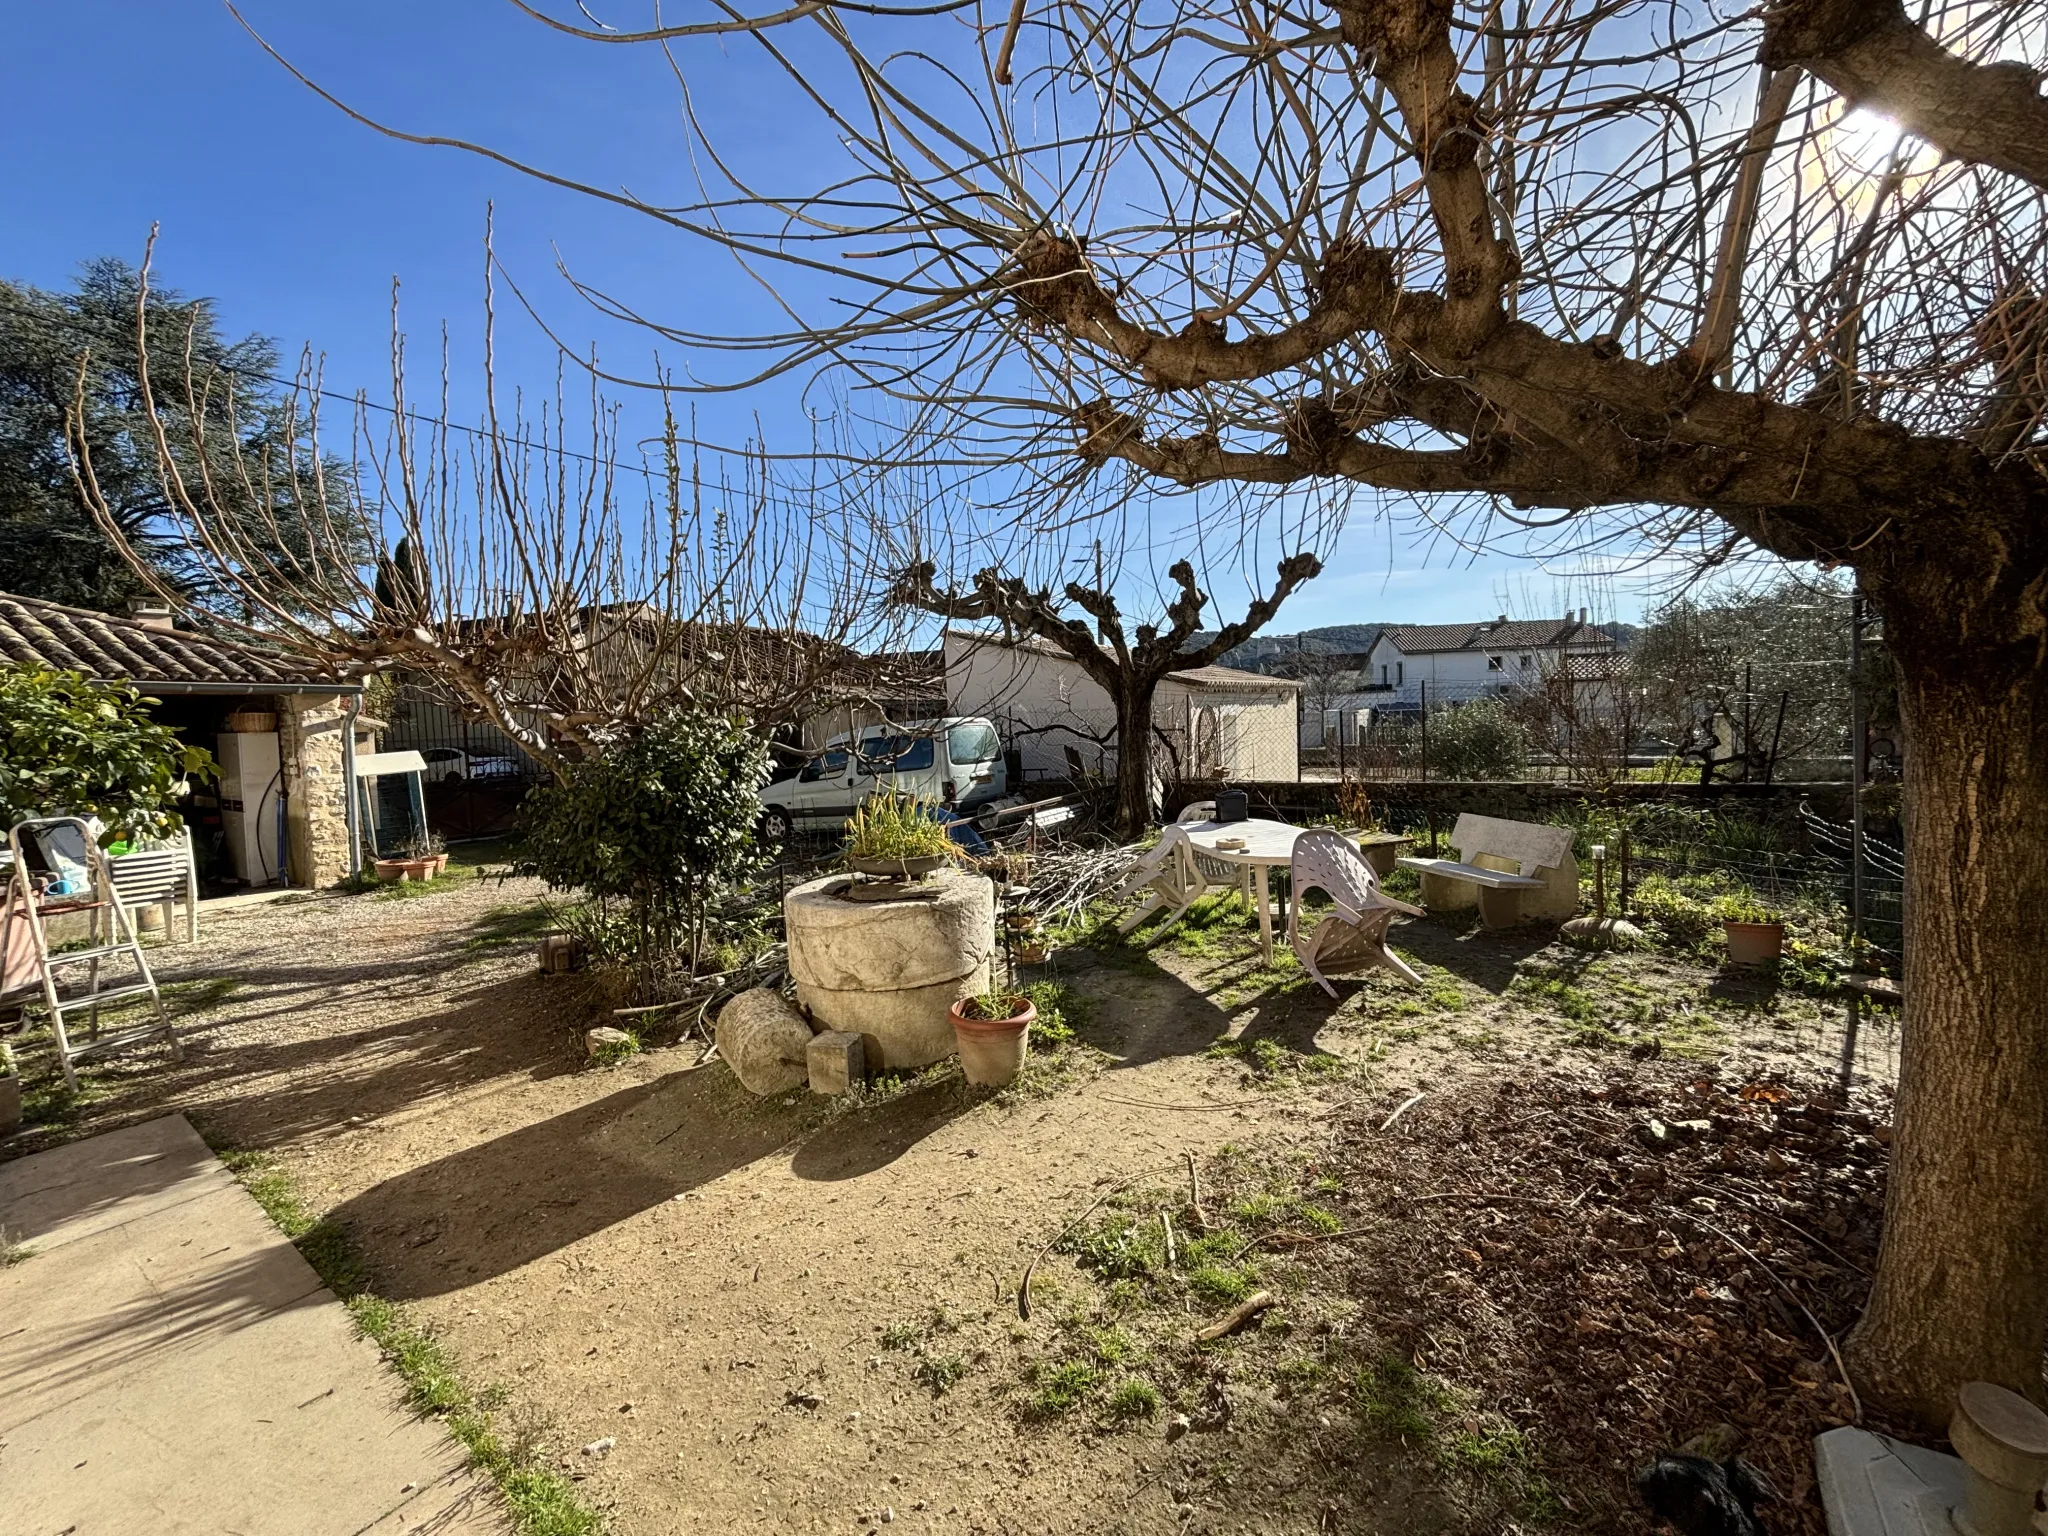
(72, 747)
(1479, 740)
(663, 821)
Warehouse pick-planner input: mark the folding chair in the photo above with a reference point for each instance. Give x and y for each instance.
(81, 882)
(1354, 936)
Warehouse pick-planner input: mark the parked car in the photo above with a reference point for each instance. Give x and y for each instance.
(453, 763)
(956, 761)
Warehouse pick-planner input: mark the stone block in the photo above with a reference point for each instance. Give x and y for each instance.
(560, 952)
(765, 1041)
(837, 1060)
(604, 1038)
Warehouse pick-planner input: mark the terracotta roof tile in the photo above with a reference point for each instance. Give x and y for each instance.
(34, 633)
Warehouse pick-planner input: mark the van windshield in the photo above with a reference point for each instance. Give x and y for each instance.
(974, 743)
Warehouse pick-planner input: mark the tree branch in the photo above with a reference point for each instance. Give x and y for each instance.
(1871, 52)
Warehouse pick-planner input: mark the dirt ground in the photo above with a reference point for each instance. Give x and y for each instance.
(725, 1313)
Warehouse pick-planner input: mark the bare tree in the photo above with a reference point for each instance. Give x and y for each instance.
(1128, 665)
(558, 592)
(1584, 713)
(1527, 266)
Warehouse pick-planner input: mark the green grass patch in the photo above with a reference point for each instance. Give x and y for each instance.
(541, 1501)
(1060, 1013)
(1267, 1061)
(613, 1052)
(1117, 1245)
(939, 1373)
(1132, 1400)
(1396, 1399)
(516, 924)
(1487, 1457)
(1223, 1283)
(1063, 1389)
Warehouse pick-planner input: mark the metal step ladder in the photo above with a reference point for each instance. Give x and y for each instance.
(80, 880)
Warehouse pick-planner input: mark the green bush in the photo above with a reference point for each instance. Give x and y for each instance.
(1479, 740)
(663, 822)
(72, 747)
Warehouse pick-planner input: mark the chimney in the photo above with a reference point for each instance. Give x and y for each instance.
(1501, 622)
(149, 613)
(1582, 615)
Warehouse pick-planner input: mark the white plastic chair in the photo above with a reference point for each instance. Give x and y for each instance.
(161, 876)
(1168, 868)
(1216, 871)
(1354, 936)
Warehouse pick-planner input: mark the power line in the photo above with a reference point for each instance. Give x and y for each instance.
(359, 399)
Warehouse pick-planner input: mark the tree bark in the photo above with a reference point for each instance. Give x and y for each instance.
(1134, 755)
(1961, 1292)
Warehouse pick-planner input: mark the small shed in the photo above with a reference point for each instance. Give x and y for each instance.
(284, 735)
(1208, 722)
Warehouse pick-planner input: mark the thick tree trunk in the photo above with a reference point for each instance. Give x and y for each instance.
(1134, 757)
(1961, 1292)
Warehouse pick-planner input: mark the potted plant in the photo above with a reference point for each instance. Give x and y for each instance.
(898, 836)
(408, 865)
(1756, 935)
(993, 1032)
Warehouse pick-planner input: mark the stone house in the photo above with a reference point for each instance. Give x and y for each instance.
(1457, 662)
(284, 816)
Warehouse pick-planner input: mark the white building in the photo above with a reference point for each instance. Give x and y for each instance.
(1451, 663)
(1207, 722)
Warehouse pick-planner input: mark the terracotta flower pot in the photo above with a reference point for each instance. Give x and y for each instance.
(1754, 943)
(1032, 950)
(440, 863)
(992, 1050)
(391, 871)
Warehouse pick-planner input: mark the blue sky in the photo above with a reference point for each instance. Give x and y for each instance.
(117, 113)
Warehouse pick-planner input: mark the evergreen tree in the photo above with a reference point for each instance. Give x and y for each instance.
(50, 547)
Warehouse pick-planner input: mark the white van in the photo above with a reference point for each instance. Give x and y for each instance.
(957, 761)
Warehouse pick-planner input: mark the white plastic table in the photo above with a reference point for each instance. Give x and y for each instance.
(1266, 843)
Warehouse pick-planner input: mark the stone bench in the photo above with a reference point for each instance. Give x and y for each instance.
(1512, 870)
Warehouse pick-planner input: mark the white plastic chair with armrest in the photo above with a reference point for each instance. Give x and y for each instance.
(1216, 871)
(1354, 936)
(1170, 873)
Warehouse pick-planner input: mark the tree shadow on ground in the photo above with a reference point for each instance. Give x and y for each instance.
(1488, 958)
(500, 1204)
(354, 1062)
(861, 1142)
(1135, 1010)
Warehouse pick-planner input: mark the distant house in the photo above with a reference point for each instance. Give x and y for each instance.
(1207, 722)
(279, 812)
(1452, 663)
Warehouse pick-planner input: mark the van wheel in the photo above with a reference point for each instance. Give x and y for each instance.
(776, 827)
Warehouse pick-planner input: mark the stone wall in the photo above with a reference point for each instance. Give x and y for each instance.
(310, 727)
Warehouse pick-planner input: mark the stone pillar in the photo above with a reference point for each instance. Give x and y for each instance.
(309, 729)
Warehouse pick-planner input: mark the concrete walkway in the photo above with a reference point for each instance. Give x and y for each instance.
(169, 1364)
